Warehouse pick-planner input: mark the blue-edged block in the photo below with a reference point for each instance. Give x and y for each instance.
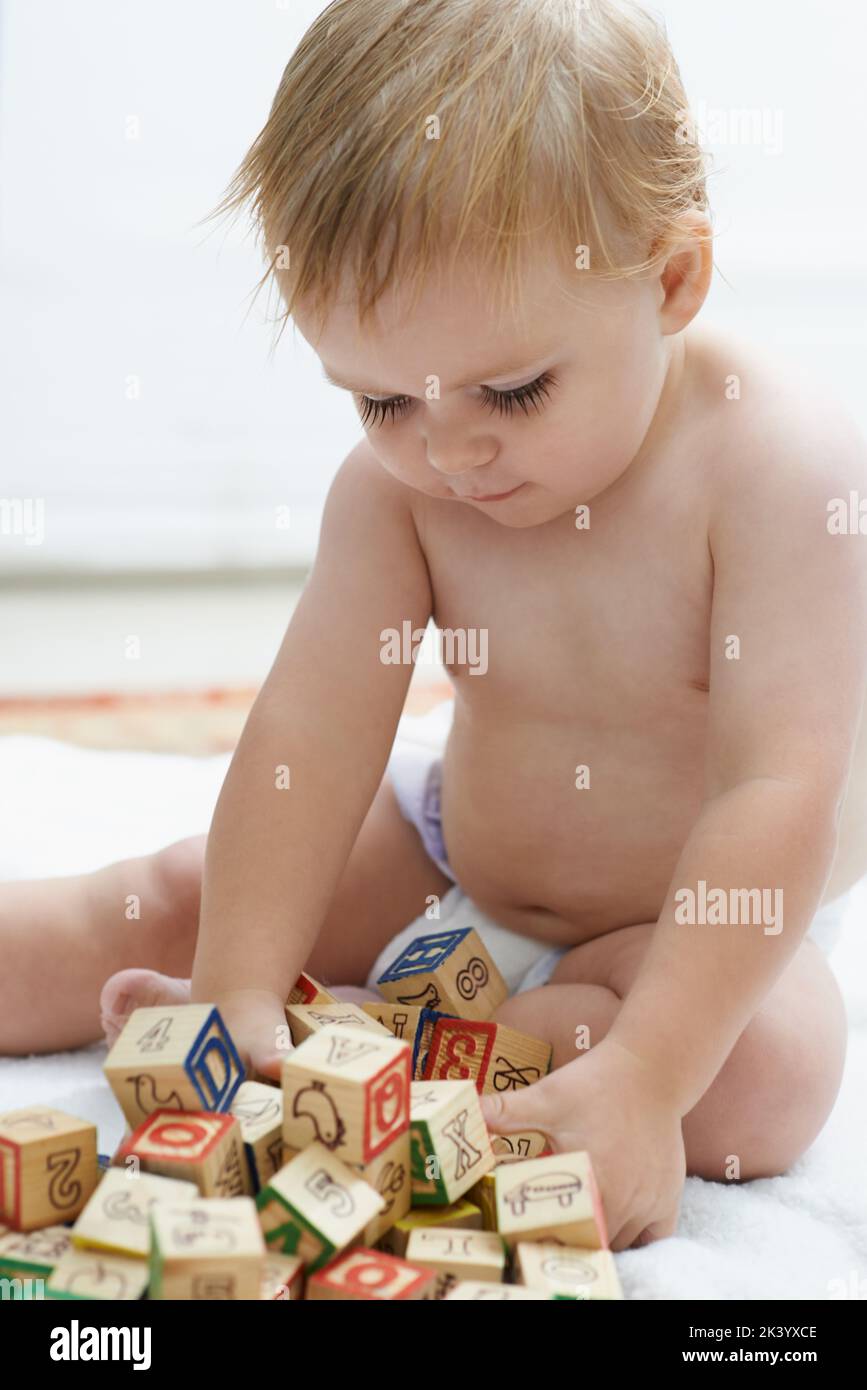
(197, 1064)
(424, 955)
(174, 1057)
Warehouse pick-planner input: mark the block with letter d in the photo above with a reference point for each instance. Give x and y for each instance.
(173, 1058)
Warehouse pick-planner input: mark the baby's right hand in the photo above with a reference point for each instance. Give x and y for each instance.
(257, 1025)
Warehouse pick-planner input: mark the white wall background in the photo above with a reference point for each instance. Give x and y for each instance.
(105, 277)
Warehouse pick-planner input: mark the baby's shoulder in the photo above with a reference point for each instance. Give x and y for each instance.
(771, 421)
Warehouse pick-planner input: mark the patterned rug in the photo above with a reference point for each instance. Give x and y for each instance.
(193, 722)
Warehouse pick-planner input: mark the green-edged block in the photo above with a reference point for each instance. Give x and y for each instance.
(13, 1269)
(426, 1191)
(286, 1238)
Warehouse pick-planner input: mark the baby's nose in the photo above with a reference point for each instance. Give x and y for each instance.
(452, 462)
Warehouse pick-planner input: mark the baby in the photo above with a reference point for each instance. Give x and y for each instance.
(489, 219)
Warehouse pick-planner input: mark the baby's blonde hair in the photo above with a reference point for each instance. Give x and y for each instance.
(404, 131)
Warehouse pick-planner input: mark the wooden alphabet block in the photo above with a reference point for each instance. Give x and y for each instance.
(282, 1279)
(458, 1254)
(401, 1020)
(116, 1218)
(193, 1145)
(477, 1291)
(451, 1148)
(524, 1143)
(389, 1174)
(315, 1206)
(32, 1253)
(463, 1214)
(48, 1167)
(306, 990)
(410, 1023)
(209, 1248)
(259, 1111)
(554, 1198)
(364, 1274)
(447, 970)
(346, 1088)
(173, 1058)
(304, 1019)
(567, 1272)
(94, 1274)
(493, 1056)
(427, 1023)
(484, 1192)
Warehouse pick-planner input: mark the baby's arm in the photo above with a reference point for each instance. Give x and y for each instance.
(328, 713)
(783, 716)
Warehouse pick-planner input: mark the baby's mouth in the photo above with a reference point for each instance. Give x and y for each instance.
(488, 496)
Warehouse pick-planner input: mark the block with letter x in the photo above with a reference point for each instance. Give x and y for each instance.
(449, 1143)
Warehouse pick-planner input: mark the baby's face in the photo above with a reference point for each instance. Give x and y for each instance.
(522, 424)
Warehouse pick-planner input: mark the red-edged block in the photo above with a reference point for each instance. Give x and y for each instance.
(495, 1058)
(200, 1145)
(366, 1274)
(306, 990)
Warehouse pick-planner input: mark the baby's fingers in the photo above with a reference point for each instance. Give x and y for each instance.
(257, 1024)
(642, 1230)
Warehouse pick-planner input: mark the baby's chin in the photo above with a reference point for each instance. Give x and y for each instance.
(533, 506)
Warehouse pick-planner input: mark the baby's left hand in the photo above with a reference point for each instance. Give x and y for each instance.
(607, 1103)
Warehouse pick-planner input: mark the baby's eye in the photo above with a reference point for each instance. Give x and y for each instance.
(524, 396)
(376, 412)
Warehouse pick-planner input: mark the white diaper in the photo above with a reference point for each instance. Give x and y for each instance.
(521, 960)
(415, 771)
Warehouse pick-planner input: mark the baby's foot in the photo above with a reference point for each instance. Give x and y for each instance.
(127, 990)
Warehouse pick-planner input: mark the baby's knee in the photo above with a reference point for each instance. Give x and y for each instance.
(177, 875)
(572, 1018)
(769, 1102)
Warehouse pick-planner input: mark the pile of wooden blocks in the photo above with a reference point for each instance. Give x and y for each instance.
(368, 1174)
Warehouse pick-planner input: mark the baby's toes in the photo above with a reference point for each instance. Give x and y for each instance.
(137, 989)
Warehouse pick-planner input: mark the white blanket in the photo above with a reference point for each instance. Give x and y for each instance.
(66, 810)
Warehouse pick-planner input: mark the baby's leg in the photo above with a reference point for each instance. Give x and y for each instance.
(61, 937)
(775, 1090)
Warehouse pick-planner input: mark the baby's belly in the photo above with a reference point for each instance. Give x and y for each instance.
(557, 862)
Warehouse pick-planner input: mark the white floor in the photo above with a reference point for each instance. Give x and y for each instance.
(79, 637)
